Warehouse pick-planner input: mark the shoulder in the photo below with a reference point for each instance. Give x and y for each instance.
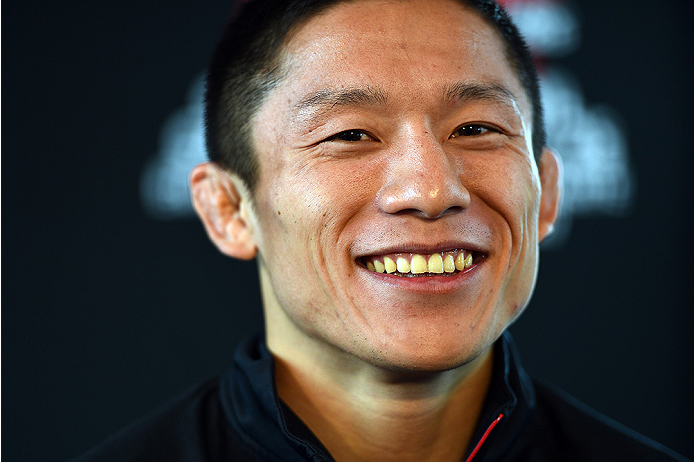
(191, 428)
(571, 430)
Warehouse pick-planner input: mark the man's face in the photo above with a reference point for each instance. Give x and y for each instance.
(398, 133)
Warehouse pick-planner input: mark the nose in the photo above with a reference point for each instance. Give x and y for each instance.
(422, 180)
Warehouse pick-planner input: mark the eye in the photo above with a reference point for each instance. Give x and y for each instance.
(351, 136)
(471, 130)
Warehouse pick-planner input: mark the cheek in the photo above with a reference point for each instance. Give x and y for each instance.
(509, 184)
(510, 188)
(334, 191)
(314, 206)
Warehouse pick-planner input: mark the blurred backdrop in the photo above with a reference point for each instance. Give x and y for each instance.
(114, 301)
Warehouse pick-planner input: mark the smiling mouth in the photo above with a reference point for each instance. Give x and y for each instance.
(446, 263)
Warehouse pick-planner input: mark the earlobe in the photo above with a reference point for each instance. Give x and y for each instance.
(223, 210)
(551, 180)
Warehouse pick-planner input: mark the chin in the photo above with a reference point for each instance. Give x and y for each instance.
(433, 359)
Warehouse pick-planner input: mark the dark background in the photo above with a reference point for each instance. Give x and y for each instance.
(108, 313)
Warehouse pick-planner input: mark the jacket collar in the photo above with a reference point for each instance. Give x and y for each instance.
(254, 410)
(508, 406)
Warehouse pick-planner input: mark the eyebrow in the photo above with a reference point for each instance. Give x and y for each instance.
(467, 91)
(324, 99)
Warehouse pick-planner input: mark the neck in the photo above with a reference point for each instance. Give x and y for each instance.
(385, 415)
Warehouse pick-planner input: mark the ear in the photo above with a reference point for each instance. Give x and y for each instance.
(223, 210)
(551, 180)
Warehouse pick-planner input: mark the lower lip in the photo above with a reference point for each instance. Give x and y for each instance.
(427, 284)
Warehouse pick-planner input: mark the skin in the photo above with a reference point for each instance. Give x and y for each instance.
(362, 153)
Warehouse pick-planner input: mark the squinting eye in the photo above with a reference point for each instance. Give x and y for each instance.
(470, 130)
(351, 136)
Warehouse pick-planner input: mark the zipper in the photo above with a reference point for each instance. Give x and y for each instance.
(484, 438)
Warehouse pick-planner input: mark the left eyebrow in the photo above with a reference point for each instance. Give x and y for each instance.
(467, 91)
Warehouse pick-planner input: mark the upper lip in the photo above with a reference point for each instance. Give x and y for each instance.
(424, 248)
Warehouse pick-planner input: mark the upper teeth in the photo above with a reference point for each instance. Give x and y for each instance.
(414, 263)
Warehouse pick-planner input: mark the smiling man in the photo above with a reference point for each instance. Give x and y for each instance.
(384, 162)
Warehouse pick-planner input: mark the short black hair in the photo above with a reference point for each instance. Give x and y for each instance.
(246, 66)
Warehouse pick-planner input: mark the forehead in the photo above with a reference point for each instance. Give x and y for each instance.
(415, 43)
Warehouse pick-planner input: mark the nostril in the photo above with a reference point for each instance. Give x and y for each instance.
(449, 211)
(429, 216)
(411, 211)
(453, 210)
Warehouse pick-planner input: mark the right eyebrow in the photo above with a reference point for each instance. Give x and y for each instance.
(314, 105)
(329, 98)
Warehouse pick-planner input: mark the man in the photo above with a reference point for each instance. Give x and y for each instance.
(385, 163)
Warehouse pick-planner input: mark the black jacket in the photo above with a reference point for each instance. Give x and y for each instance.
(240, 418)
